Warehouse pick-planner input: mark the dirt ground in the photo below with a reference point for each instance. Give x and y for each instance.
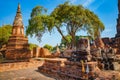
(108, 75)
(24, 74)
(33, 74)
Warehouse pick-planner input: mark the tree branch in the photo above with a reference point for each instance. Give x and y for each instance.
(59, 30)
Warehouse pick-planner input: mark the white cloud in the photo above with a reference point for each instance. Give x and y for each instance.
(88, 2)
(98, 5)
(73, 1)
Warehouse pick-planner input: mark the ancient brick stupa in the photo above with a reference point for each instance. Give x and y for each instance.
(17, 47)
(118, 20)
(115, 41)
(117, 37)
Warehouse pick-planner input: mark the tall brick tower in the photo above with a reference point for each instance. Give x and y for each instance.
(118, 20)
(117, 37)
(17, 47)
(18, 28)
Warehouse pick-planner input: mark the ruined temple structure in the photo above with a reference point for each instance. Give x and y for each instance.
(118, 21)
(40, 52)
(115, 41)
(117, 37)
(17, 47)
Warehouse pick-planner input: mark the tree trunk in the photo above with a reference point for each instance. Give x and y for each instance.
(73, 40)
(99, 42)
(59, 30)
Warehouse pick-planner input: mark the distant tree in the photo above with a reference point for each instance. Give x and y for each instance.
(5, 32)
(31, 46)
(54, 49)
(47, 46)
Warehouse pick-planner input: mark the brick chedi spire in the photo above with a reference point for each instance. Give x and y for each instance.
(116, 41)
(118, 20)
(18, 28)
(17, 47)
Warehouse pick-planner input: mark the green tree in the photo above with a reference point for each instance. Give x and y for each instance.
(31, 46)
(76, 18)
(47, 46)
(5, 32)
(66, 42)
(67, 16)
(38, 23)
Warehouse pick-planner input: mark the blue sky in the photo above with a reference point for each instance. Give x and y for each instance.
(106, 10)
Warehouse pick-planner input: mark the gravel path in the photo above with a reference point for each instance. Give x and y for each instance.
(24, 74)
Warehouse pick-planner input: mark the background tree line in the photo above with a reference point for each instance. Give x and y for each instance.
(5, 32)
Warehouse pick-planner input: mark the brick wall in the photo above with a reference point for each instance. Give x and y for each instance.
(19, 65)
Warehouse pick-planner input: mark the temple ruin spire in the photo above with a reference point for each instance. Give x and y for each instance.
(18, 18)
(118, 21)
(17, 47)
(18, 9)
(18, 28)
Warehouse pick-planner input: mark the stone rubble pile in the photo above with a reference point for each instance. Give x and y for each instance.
(64, 70)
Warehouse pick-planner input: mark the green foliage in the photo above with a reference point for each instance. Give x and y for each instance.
(39, 22)
(73, 17)
(54, 49)
(38, 11)
(76, 18)
(49, 47)
(31, 46)
(5, 32)
(69, 40)
(95, 26)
